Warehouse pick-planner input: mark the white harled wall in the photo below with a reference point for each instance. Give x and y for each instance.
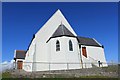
(64, 56)
(28, 62)
(95, 54)
(46, 53)
(42, 56)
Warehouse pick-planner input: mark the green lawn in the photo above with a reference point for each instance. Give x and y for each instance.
(6, 75)
(114, 68)
(94, 76)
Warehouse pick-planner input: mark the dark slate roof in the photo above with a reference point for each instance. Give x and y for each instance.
(62, 30)
(20, 54)
(87, 41)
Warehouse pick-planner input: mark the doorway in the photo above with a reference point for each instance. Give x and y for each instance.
(19, 64)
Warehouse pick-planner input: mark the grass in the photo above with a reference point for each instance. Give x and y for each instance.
(111, 68)
(6, 75)
(96, 76)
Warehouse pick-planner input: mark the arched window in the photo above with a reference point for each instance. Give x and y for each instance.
(70, 45)
(57, 45)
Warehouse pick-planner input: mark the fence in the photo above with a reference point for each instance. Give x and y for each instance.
(49, 66)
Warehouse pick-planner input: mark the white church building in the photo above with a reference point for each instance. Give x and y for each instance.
(57, 47)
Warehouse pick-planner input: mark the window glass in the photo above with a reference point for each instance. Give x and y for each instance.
(70, 45)
(57, 45)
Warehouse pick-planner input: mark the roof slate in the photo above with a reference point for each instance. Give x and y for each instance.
(62, 30)
(20, 54)
(87, 41)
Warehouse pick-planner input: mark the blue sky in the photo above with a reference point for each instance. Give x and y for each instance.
(95, 20)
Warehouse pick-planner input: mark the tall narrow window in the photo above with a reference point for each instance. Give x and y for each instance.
(57, 46)
(84, 52)
(70, 45)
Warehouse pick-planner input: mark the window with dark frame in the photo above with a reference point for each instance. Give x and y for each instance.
(84, 52)
(57, 45)
(70, 45)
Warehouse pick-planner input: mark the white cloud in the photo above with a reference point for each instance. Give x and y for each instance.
(5, 62)
(6, 65)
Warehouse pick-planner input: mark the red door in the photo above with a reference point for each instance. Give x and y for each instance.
(19, 64)
(84, 52)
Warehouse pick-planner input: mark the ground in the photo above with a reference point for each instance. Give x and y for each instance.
(106, 72)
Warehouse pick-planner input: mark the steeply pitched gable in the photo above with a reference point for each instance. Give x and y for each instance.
(52, 25)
